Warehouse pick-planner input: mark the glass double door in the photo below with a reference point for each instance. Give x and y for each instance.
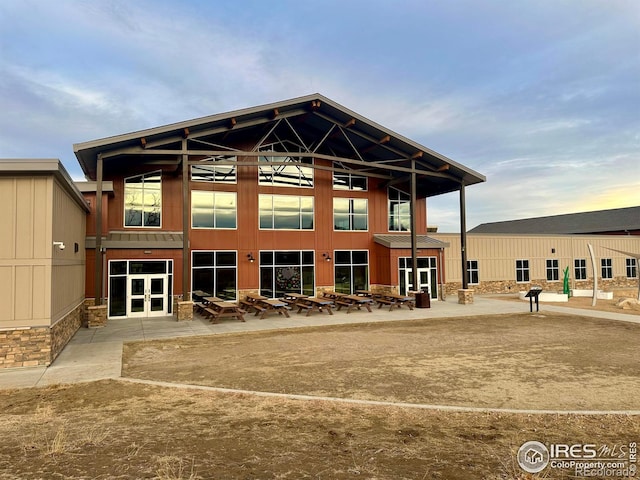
(424, 280)
(147, 295)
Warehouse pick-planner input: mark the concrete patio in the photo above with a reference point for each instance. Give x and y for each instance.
(96, 353)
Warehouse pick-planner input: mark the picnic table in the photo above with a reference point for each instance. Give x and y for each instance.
(394, 300)
(354, 301)
(217, 310)
(263, 305)
(314, 304)
(291, 298)
(204, 301)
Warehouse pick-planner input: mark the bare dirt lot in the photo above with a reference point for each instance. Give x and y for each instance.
(113, 429)
(116, 429)
(539, 361)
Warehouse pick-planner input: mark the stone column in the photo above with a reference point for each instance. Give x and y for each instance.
(97, 316)
(465, 296)
(185, 311)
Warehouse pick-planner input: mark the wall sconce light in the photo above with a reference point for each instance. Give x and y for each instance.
(326, 256)
(60, 245)
(250, 257)
(553, 250)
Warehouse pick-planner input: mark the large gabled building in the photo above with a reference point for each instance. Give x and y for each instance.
(300, 195)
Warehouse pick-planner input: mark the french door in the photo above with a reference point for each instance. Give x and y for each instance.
(147, 295)
(424, 280)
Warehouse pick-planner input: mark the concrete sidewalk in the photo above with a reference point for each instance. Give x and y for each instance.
(96, 353)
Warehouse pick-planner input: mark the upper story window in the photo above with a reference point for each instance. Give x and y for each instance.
(286, 212)
(350, 214)
(294, 175)
(349, 181)
(143, 200)
(208, 171)
(213, 209)
(399, 212)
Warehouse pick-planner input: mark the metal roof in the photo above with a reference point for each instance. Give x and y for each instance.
(148, 240)
(601, 221)
(404, 241)
(331, 129)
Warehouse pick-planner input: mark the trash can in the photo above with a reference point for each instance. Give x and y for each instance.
(423, 300)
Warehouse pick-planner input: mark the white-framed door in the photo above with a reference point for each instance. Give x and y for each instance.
(147, 295)
(424, 280)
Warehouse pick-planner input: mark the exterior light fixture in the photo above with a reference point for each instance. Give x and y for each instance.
(326, 256)
(60, 245)
(250, 257)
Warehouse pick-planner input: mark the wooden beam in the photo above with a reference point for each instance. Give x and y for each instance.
(232, 122)
(143, 142)
(274, 114)
(417, 155)
(384, 140)
(185, 132)
(443, 168)
(350, 123)
(315, 104)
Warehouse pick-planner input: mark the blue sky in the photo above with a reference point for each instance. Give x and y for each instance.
(541, 96)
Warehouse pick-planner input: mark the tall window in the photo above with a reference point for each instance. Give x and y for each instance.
(351, 270)
(522, 271)
(215, 272)
(553, 271)
(580, 269)
(399, 213)
(473, 274)
(607, 267)
(298, 174)
(282, 272)
(209, 171)
(143, 200)
(349, 181)
(286, 212)
(350, 214)
(213, 209)
(632, 268)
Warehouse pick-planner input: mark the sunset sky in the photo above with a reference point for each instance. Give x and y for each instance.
(541, 96)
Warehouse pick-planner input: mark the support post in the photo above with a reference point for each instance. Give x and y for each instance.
(414, 237)
(98, 253)
(463, 237)
(185, 222)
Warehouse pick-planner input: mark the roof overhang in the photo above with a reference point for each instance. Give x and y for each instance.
(403, 241)
(344, 135)
(139, 240)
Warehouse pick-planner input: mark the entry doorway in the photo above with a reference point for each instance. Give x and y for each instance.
(427, 276)
(147, 295)
(424, 282)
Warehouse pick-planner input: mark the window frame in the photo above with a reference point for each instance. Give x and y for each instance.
(631, 267)
(580, 270)
(606, 268)
(523, 269)
(350, 266)
(301, 214)
(352, 215)
(349, 182)
(211, 163)
(124, 208)
(552, 269)
(399, 216)
(470, 270)
(215, 267)
(215, 193)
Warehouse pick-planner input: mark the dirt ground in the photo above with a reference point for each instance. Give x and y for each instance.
(121, 430)
(116, 430)
(526, 361)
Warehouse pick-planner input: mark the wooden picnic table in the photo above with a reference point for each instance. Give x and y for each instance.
(312, 303)
(354, 301)
(365, 293)
(292, 298)
(219, 310)
(333, 295)
(251, 302)
(394, 300)
(204, 302)
(274, 305)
